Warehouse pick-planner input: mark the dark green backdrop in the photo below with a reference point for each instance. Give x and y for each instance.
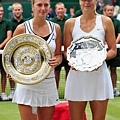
(27, 6)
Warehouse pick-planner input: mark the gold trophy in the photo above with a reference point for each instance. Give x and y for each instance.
(25, 58)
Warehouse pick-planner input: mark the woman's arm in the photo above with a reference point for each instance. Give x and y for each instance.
(57, 58)
(110, 37)
(68, 27)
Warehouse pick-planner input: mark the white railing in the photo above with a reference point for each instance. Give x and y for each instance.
(1, 51)
(117, 45)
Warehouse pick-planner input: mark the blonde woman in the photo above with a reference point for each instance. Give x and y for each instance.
(40, 98)
(94, 87)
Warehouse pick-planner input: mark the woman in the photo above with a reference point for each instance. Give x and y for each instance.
(95, 86)
(40, 98)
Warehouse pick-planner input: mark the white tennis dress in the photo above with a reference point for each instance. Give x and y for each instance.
(89, 86)
(44, 93)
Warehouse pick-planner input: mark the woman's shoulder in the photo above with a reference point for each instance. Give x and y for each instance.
(21, 26)
(105, 19)
(106, 22)
(70, 21)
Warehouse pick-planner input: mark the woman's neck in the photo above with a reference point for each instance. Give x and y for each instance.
(39, 21)
(88, 16)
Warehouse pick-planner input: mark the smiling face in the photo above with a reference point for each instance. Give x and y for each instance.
(17, 10)
(40, 7)
(60, 9)
(109, 10)
(88, 5)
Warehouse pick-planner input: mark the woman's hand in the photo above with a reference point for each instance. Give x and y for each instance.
(54, 62)
(71, 66)
(9, 77)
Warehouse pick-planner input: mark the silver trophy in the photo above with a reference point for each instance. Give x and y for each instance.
(86, 53)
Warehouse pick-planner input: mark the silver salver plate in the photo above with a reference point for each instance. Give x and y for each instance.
(25, 58)
(86, 53)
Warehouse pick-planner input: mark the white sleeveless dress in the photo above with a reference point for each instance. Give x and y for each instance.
(89, 86)
(44, 93)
